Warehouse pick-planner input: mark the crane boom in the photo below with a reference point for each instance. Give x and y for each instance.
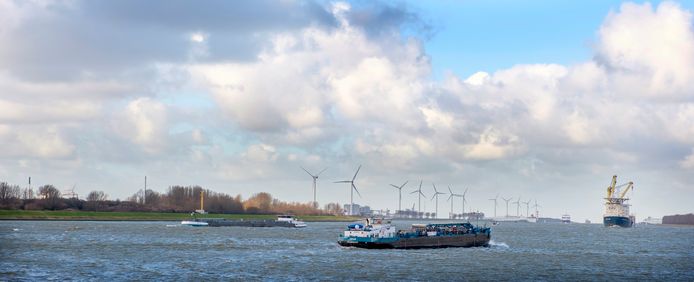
(610, 189)
(630, 185)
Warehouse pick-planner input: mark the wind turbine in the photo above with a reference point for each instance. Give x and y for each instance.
(464, 201)
(451, 196)
(352, 188)
(495, 198)
(315, 177)
(399, 194)
(420, 194)
(506, 204)
(537, 213)
(517, 207)
(527, 208)
(436, 195)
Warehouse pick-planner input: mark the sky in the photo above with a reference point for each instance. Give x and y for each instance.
(542, 100)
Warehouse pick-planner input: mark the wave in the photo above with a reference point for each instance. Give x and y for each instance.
(498, 244)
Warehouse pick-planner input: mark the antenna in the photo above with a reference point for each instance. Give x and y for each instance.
(399, 195)
(144, 197)
(351, 190)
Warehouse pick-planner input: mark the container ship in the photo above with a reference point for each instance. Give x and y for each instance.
(616, 207)
(376, 234)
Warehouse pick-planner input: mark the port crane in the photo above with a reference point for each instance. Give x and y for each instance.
(610, 189)
(629, 185)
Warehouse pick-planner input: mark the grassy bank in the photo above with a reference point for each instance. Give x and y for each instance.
(143, 216)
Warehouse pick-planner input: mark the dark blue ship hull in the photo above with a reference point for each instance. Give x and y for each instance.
(621, 221)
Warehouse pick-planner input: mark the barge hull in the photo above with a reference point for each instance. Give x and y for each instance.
(465, 241)
(621, 221)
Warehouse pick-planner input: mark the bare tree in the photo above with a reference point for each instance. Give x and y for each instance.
(9, 195)
(96, 198)
(50, 196)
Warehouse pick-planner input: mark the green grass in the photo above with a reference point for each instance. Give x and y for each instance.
(143, 216)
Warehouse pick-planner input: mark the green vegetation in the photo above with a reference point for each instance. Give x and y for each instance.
(144, 216)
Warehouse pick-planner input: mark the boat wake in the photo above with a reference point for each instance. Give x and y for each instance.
(500, 245)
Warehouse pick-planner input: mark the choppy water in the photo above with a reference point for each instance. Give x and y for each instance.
(43, 250)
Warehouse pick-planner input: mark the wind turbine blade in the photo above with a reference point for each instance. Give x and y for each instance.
(465, 191)
(449, 197)
(344, 181)
(415, 191)
(321, 172)
(355, 174)
(396, 187)
(420, 192)
(435, 191)
(449, 189)
(420, 185)
(307, 171)
(403, 185)
(356, 190)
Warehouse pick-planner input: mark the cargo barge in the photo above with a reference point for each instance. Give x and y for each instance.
(282, 221)
(378, 235)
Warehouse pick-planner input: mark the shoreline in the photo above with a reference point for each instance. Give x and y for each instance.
(19, 215)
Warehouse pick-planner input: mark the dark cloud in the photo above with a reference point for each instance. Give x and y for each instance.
(106, 37)
(379, 19)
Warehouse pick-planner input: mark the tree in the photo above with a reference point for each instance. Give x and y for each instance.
(259, 202)
(50, 196)
(95, 198)
(9, 195)
(333, 208)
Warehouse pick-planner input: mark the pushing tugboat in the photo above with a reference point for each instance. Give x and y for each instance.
(379, 234)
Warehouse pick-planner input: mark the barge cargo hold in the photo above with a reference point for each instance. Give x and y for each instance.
(385, 236)
(282, 221)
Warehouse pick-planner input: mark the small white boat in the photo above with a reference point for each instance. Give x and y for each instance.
(291, 219)
(194, 223)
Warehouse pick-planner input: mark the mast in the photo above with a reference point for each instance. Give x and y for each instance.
(144, 197)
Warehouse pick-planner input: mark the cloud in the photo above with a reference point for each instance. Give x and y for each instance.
(653, 48)
(144, 121)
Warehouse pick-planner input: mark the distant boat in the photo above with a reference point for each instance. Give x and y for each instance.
(566, 218)
(194, 223)
(292, 220)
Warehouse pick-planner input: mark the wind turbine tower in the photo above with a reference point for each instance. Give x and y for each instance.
(527, 208)
(419, 195)
(450, 199)
(517, 207)
(464, 193)
(537, 213)
(495, 199)
(399, 195)
(506, 204)
(315, 178)
(352, 188)
(436, 195)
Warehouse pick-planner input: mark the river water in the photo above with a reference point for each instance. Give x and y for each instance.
(59, 250)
